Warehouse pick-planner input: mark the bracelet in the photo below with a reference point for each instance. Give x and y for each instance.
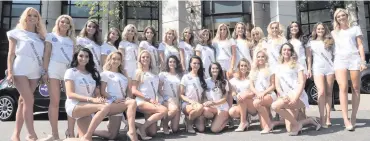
(363, 62)
(88, 99)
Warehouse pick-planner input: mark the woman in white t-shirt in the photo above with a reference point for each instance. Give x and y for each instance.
(274, 41)
(168, 47)
(321, 46)
(145, 87)
(169, 85)
(149, 43)
(186, 46)
(258, 38)
(205, 50)
(215, 106)
(349, 57)
(59, 48)
(243, 45)
(242, 94)
(192, 88)
(112, 41)
(90, 37)
(298, 40)
(25, 66)
(114, 84)
(129, 48)
(263, 85)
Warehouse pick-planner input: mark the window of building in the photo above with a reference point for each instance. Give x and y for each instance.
(79, 14)
(367, 17)
(12, 10)
(228, 12)
(143, 14)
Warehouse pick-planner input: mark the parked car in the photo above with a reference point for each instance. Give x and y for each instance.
(311, 88)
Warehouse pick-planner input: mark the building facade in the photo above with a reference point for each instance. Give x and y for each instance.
(178, 14)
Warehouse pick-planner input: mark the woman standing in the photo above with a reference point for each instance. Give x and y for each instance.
(25, 66)
(225, 49)
(114, 84)
(349, 57)
(145, 88)
(239, 36)
(59, 47)
(111, 43)
(168, 47)
(129, 49)
(289, 82)
(296, 38)
(90, 37)
(274, 42)
(242, 94)
(148, 43)
(216, 106)
(169, 88)
(192, 88)
(186, 47)
(258, 38)
(205, 50)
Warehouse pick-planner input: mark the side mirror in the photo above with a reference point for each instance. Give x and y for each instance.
(6, 72)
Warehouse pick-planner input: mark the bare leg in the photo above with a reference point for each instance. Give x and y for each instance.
(200, 123)
(113, 128)
(329, 99)
(321, 90)
(355, 79)
(156, 112)
(54, 93)
(219, 121)
(18, 121)
(341, 76)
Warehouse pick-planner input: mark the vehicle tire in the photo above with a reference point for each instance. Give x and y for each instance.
(8, 108)
(312, 93)
(365, 84)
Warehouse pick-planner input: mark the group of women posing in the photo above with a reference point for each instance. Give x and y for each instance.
(201, 80)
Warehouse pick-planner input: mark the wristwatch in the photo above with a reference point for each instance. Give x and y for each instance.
(43, 72)
(363, 62)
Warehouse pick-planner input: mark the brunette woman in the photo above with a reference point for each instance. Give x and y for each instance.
(205, 49)
(112, 40)
(242, 44)
(168, 47)
(148, 42)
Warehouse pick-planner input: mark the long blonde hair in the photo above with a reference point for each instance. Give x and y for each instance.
(281, 32)
(139, 70)
(328, 40)
(39, 27)
(293, 56)
(235, 35)
(336, 25)
(108, 63)
(191, 40)
(255, 69)
(71, 31)
(218, 34)
(174, 41)
(125, 30)
(237, 73)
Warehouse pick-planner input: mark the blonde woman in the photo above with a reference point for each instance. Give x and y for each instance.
(349, 57)
(90, 37)
(239, 36)
(225, 49)
(114, 84)
(145, 87)
(274, 41)
(129, 49)
(205, 50)
(242, 95)
(59, 48)
(321, 48)
(112, 40)
(168, 47)
(186, 46)
(258, 37)
(148, 42)
(263, 85)
(25, 66)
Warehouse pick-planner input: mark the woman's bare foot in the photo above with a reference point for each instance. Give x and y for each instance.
(31, 138)
(15, 138)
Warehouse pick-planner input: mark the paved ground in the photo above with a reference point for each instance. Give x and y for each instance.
(334, 133)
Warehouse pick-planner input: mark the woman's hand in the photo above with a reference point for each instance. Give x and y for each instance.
(309, 74)
(153, 102)
(363, 67)
(120, 100)
(208, 103)
(45, 79)
(98, 100)
(260, 95)
(10, 78)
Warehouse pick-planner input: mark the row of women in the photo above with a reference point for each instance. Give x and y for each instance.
(106, 79)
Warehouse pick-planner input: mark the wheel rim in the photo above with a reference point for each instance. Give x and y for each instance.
(365, 84)
(6, 108)
(314, 93)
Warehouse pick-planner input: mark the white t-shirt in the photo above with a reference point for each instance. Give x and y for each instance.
(223, 49)
(94, 48)
(188, 51)
(131, 50)
(106, 49)
(214, 94)
(242, 50)
(322, 57)
(62, 48)
(345, 40)
(262, 80)
(168, 51)
(116, 83)
(299, 49)
(193, 89)
(171, 84)
(149, 84)
(207, 55)
(84, 84)
(273, 50)
(240, 85)
(153, 52)
(25, 39)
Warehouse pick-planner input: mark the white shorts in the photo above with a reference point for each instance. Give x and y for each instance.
(349, 62)
(27, 66)
(56, 70)
(70, 106)
(223, 107)
(130, 67)
(225, 64)
(323, 71)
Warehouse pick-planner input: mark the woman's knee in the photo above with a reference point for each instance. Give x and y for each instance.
(131, 102)
(276, 105)
(215, 129)
(207, 113)
(257, 103)
(233, 113)
(163, 110)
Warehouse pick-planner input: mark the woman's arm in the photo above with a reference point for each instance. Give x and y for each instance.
(182, 58)
(162, 59)
(277, 86)
(182, 95)
(135, 91)
(103, 58)
(272, 85)
(309, 61)
(11, 57)
(47, 55)
(122, 51)
(252, 88)
(128, 90)
(300, 87)
(233, 56)
(360, 48)
(103, 86)
(70, 92)
(198, 53)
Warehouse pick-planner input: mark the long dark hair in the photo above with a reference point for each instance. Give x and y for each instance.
(90, 66)
(220, 80)
(300, 35)
(178, 68)
(116, 43)
(200, 72)
(154, 39)
(97, 35)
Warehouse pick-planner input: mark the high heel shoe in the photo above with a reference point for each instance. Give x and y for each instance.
(242, 128)
(318, 125)
(142, 136)
(131, 138)
(350, 128)
(68, 135)
(295, 133)
(269, 129)
(189, 128)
